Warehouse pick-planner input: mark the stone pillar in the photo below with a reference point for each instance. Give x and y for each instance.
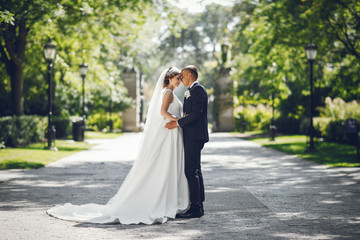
(131, 116)
(224, 102)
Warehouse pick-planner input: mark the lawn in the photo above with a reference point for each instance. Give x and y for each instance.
(101, 135)
(331, 154)
(35, 156)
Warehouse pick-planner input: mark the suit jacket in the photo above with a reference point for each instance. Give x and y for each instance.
(195, 124)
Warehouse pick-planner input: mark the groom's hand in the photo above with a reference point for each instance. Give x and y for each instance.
(171, 125)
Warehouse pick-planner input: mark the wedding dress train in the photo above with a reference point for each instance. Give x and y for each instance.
(155, 189)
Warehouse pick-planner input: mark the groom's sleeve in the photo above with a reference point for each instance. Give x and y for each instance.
(199, 103)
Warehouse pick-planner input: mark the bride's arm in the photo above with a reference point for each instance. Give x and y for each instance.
(168, 96)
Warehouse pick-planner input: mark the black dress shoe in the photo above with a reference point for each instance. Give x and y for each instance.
(192, 213)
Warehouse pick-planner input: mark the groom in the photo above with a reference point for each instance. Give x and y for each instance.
(195, 130)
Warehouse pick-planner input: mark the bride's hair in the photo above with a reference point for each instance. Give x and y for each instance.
(171, 72)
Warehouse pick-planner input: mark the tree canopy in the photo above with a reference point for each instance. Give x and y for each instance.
(266, 57)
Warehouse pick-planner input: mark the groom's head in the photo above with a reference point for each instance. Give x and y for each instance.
(189, 75)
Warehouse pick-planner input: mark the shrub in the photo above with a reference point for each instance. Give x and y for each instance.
(117, 122)
(21, 130)
(256, 118)
(100, 122)
(335, 131)
(320, 124)
(338, 109)
(334, 114)
(62, 125)
(288, 125)
(240, 123)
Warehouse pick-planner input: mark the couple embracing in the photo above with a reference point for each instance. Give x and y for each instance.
(165, 180)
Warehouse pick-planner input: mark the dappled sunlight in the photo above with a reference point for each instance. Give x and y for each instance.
(45, 183)
(299, 191)
(218, 190)
(302, 236)
(250, 192)
(330, 202)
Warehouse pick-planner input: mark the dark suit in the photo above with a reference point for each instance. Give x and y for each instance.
(195, 129)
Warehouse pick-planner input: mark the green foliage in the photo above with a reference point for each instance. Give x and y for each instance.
(101, 33)
(197, 41)
(266, 39)
(63, 126)
(101, 122)
(21, 130)
(335, 131)
(269, 41)
(256, 118)
(331, 126)
(338, 109)
(6, 17)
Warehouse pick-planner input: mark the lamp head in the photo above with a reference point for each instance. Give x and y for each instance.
(311, 51)
(83, 69)
(49, 51)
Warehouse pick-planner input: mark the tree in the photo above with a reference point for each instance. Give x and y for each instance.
(28, 18)
(275, 32)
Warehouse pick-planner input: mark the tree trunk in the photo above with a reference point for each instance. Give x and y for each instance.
(17, 84)
(15, 43)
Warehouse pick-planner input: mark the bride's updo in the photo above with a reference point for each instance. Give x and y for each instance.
(172, 72)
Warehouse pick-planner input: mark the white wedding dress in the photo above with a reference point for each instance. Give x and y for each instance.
(156, 188)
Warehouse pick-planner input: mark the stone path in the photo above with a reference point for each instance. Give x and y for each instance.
(251, 193)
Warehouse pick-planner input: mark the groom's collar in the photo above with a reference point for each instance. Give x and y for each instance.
(193, 84)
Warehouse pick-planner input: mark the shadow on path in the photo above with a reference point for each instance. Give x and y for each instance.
(251, 193)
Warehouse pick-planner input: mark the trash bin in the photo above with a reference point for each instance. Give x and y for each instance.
(78, 129)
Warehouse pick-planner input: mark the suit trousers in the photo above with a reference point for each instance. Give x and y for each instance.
(193, 170)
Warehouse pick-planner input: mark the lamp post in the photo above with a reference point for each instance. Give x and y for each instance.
(110, 105)
(49, 54)
(83, 72)
(311, 51)
(273, 127)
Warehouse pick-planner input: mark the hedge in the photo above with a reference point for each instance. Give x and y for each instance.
(100, 122)
(63, 126)
(255, 118)
(21, 130)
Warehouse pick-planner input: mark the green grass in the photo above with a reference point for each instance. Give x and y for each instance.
(252, 133)
(331, 154)
(101, 135)
(35, 156)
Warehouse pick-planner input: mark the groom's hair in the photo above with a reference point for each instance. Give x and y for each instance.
(193, 70)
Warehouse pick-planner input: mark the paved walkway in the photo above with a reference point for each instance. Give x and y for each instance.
(252, 193)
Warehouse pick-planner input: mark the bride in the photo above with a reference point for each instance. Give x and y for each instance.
(156, 188)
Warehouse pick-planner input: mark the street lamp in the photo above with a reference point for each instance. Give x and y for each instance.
(83, 72)
(311, 51)
(49, 54)
(273, 127)
(110, 105)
